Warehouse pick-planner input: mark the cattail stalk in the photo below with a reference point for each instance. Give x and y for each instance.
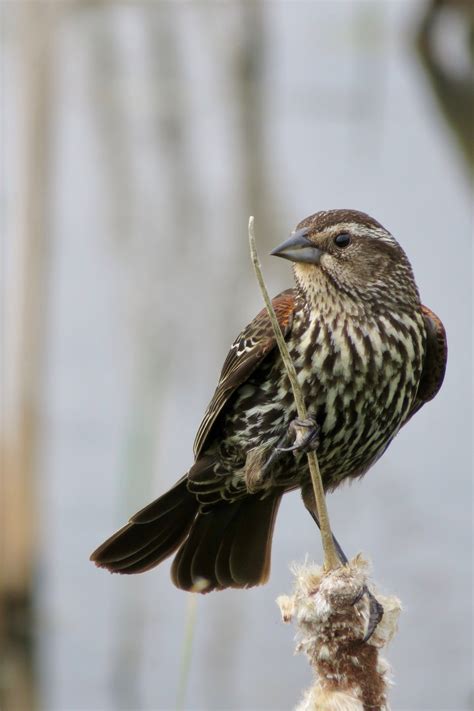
(331, 559)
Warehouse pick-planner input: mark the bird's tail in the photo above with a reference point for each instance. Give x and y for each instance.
(151, 535)
(228, 546)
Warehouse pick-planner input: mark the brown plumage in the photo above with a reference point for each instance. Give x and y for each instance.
(368, 356)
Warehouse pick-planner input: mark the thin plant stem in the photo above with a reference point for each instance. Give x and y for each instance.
(191, 614)
(331, 560)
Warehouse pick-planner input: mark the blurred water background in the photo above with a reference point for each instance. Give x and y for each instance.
(138, 138)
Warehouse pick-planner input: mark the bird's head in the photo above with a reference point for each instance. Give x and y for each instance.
(347, 254)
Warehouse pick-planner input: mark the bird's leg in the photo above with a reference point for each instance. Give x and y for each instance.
(375, 608)
(340, 553)
(305, 434)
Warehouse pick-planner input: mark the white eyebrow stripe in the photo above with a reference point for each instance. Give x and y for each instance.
(358, 230)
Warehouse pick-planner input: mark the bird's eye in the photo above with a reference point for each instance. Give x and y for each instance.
(343, 240)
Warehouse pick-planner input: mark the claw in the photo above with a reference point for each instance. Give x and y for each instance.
(306, 433)
(359, 595)
(293, 448)
(375, 612)
(273, 456)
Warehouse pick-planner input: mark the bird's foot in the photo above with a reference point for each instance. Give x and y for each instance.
(305, 434)
(375, 611)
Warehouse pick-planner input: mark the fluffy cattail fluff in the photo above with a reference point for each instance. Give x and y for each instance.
(332, 614)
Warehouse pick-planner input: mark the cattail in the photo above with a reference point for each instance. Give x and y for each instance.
(332, 611)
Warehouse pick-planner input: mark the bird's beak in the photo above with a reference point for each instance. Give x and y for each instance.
(299, 248)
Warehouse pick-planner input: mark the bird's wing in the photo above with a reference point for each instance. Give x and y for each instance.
(248, 350)
(434, 364)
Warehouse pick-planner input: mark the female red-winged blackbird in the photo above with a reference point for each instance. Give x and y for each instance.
(368, 356)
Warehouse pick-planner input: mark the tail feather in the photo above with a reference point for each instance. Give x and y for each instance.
(196, 558)
(203, 563)
(169, 501)
(227, 546)
(251, 547)
(222, 566)
(151, 535)
(181, 567)
(154, 551)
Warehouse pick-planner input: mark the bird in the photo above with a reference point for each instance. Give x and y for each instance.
(368, 356)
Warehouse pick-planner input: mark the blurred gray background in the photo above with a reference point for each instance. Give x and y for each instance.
(138, 138)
